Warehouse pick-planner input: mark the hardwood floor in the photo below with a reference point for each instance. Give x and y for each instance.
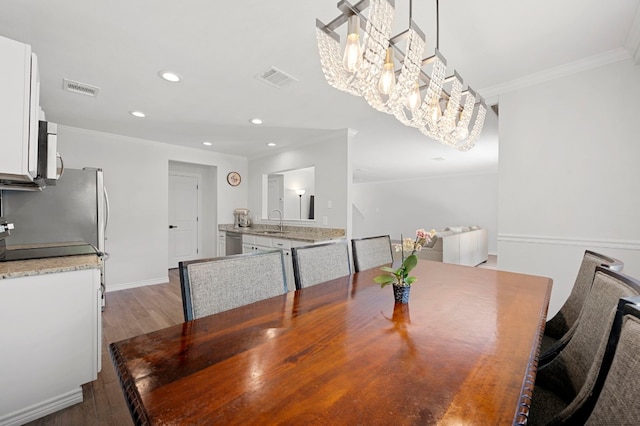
(127, 313)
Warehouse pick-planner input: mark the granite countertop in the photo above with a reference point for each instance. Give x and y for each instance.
(298, 233)
(24, 268)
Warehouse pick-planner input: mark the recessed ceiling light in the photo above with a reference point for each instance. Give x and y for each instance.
(255, 121)
(138, 114)
(438, 158)
(207, 143)
(271, 144)
(170, 76)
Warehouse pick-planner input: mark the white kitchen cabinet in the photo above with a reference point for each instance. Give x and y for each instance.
(19, 109)
(255, 243)
(51, 342)
(222, 243)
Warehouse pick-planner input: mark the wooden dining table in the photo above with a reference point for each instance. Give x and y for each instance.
(463, 351)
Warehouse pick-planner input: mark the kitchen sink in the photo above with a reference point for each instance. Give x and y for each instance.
(273, 232)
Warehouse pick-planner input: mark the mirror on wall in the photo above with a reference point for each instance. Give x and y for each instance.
(291, 192)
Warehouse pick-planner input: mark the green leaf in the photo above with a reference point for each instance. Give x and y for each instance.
(410, 280)
(388, 269)
(410, 263)
(384, 279)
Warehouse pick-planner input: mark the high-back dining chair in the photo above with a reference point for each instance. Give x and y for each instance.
(560, 328)
(617, 402)
(564, 386)
(215, 285)
(319, 263)
(371, 252)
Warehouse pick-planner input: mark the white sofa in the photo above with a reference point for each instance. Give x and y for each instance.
(462, 245)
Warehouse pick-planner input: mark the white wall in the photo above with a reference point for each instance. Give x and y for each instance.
(136, 173)
(401, 207)
(330, 156)
(569, 175)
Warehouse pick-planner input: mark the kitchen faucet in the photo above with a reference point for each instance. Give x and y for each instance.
(279, 211)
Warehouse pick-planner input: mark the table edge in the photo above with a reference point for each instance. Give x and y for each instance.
(127, 384)
(526, 391)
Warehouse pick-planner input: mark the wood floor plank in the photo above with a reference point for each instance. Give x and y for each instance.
(127, 313)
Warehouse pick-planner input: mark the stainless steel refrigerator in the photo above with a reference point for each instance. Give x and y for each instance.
(75, 210)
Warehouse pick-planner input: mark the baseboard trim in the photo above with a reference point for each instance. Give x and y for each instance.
(573, 242)
(135, 284)
(43, 408)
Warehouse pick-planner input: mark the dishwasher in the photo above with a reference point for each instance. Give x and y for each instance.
(233, 244)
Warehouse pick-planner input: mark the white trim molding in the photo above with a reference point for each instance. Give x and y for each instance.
(135, 284)
(573, 242)
(491, 94)
(43, 408)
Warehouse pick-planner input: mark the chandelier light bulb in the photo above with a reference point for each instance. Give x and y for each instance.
(387, 82)
(462, 133)
(413, 100)
(435, 112)
(353, 51)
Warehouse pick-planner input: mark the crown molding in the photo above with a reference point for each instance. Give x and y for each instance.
(491, 94)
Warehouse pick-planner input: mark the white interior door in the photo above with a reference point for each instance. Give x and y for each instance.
(183, 218)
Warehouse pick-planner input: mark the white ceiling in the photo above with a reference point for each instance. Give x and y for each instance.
(218, 48)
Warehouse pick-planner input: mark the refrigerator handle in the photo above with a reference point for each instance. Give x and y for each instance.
(106, 210)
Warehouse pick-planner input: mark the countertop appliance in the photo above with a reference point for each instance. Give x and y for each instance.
(75, 210)
(241, 218)
(233, 243)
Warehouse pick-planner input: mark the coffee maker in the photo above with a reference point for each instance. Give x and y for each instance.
(241, 218)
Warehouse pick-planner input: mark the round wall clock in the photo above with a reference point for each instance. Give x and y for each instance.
(234, 178)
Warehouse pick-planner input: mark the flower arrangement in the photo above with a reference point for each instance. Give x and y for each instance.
(400, 276)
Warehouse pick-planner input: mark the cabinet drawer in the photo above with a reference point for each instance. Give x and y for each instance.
(248, 239)
(281, 244)
(262, 241)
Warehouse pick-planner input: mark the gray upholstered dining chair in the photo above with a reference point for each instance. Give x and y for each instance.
(371, 252)
(560, 328)
(215, 285)
(617, 402)
(319, 263)
(565, 386)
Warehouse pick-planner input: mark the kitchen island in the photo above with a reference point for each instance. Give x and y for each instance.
(271, 237)
(51, 329)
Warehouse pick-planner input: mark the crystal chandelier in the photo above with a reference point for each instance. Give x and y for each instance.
(418, 92)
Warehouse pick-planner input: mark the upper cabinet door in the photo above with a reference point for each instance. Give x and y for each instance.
(19, 109)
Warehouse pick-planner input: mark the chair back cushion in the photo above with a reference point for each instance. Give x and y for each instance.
(572, 374)
(371, 252)
(210, 286)
(319, 263)
(617, 403)
(569, 312)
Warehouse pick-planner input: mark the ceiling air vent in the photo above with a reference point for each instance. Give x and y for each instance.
(277, 78)
(82, 88)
